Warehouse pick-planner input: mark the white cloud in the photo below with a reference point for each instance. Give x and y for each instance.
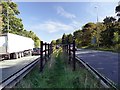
(64, 13)
(52, 27)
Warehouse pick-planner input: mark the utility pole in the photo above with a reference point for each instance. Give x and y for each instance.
(96, 27)
(96, 13)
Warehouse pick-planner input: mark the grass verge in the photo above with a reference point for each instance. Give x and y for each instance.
(58, 74)
(110, 49)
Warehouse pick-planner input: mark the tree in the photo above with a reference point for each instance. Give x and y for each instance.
(70, 38)
(116, 39)
(10, 22)
(53, 42)
(0, 18)
(64, 41)
(9, 15)
(59, 41)
(96, 33)
(109, 20)
(36, 41)
(78, 37)
(87, 31)
(117, 10)
(107, 36)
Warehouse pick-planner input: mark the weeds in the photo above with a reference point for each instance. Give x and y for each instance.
(58, 74)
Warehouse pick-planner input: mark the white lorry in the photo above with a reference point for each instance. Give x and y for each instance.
(14, 46)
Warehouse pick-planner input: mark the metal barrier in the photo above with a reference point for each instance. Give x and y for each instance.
(46, 53)
(17, 76)
(103, 80)
(70, 49)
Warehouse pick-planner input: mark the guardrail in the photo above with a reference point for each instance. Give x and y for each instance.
(71, 54)
(104, 81)
(16, 77)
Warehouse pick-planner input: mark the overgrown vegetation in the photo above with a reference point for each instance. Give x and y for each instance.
(58, 74)
(12, 24)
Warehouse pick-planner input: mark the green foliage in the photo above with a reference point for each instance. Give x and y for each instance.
(117, 9)
(59, 41)
(106, 34)
(0, 18)
(107, 37)
(87, 33)
(9, 15)
(83, 37)
(53, 42)
(70, 38)
(64, 39)
(109, 20)
(78, 37)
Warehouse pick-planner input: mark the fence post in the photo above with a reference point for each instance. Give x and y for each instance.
(48, 50)
(45, 52)
(74, 61)
(41, 58)
(67, 48)
(69, 52)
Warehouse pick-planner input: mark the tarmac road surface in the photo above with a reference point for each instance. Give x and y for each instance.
(9, 67)
(104, 62)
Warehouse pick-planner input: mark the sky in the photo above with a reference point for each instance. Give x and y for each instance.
(50, 20)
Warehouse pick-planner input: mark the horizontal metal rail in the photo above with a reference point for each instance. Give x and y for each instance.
(16, 77)
(104, 81)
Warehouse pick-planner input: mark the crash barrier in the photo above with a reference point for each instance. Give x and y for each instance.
(46, 51)
(70, 49)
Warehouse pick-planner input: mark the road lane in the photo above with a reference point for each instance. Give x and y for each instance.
(104, 62)
(9, 67)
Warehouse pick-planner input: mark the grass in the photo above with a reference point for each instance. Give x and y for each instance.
(111, 49)
(58, 74)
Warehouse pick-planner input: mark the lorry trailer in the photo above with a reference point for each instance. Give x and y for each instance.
(14, 46)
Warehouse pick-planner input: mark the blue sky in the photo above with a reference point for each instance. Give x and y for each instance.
(49, 20)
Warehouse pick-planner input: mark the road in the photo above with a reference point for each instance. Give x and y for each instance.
(9, 67)
(104, 62)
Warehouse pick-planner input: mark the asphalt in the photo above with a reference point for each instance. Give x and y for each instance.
(9, 67)
(106, 63)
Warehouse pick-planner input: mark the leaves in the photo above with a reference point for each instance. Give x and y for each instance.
(117, 10)
(9, 17)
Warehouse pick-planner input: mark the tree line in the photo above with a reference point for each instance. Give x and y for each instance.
(12, 24)
(101, 34)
